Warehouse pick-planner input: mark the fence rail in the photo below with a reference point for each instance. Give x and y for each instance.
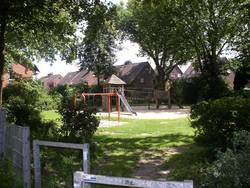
(81, 178)
(37, 161)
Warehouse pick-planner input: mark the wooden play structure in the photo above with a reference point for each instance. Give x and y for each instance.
(114, 87)
(109, 97)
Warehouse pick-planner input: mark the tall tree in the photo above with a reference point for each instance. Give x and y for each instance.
(37, 28)
(210, 26)
(154, 26)
(96, 52)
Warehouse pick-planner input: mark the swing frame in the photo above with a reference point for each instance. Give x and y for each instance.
(109, 95)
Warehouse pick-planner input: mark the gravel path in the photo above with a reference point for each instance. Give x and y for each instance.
(144, 113)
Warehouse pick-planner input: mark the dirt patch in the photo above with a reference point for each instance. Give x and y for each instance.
(150, 167)
(144, 113)
(106, 123)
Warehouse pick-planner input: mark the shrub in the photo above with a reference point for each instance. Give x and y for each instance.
(195, 89)
(232, 168)
(7, 175)
(216, 121)
(24, 101)
(79, 122)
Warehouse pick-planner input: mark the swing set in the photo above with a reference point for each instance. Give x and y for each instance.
(108, 95)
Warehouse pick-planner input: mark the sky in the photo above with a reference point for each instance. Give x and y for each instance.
(128, 51)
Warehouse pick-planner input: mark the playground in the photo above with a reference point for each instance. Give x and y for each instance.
(116, 102)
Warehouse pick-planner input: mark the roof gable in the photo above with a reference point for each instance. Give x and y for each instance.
(73, 78)
(130, 71)
(114, 80)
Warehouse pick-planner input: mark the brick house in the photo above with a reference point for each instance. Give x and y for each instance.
(136, 75)
(83, 76)
(18, 70)
(176, 73)
(51, 81)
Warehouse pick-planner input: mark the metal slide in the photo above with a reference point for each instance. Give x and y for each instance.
(126, 104)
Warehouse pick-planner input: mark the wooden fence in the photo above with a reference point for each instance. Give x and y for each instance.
(15, 147)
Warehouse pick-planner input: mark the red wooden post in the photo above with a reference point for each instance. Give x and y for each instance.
(74, 101)
(118, 104)
(109, 106)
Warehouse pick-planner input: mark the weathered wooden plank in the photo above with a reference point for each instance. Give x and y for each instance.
(37, 164)
(80, 180)
(2, 131)
(59, 144)
(26, 157)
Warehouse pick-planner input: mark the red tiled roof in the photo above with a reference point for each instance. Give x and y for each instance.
(83, 76)
(51, 80)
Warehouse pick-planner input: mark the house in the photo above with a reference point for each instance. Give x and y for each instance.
(74, 78)
(18, 70)
(51, 81)
(176, 73)
(136, 75)
(190, 72)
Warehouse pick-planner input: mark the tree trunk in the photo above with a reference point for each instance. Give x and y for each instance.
(240, 79)
(160, 79)
(98, 81)
(2, 46)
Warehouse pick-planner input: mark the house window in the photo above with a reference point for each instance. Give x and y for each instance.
(179, 75)
(142, 80)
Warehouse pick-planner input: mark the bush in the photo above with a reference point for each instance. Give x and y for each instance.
(24, 101)
(7, 175)
(195, 89)
(216, 121)
(232, 168)
(79, 122)
(78, 126)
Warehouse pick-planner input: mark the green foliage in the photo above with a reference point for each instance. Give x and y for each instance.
(70, 89)
(195, 89)
(24, 100)
(155, 27)
(96, 52)
(232, 168)
(7, 176)
(79, 122)
(216, 121)
(40, 28)
(210, 26)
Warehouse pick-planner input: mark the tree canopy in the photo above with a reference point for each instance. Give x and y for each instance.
(154, 26)
(39, 28)
(96, 51)
(173, 32)
(210, 27)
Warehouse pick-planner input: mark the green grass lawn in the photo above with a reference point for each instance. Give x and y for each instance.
(123, 150)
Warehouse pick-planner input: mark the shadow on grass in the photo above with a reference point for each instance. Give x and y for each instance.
(121, 156)
(188, 164)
